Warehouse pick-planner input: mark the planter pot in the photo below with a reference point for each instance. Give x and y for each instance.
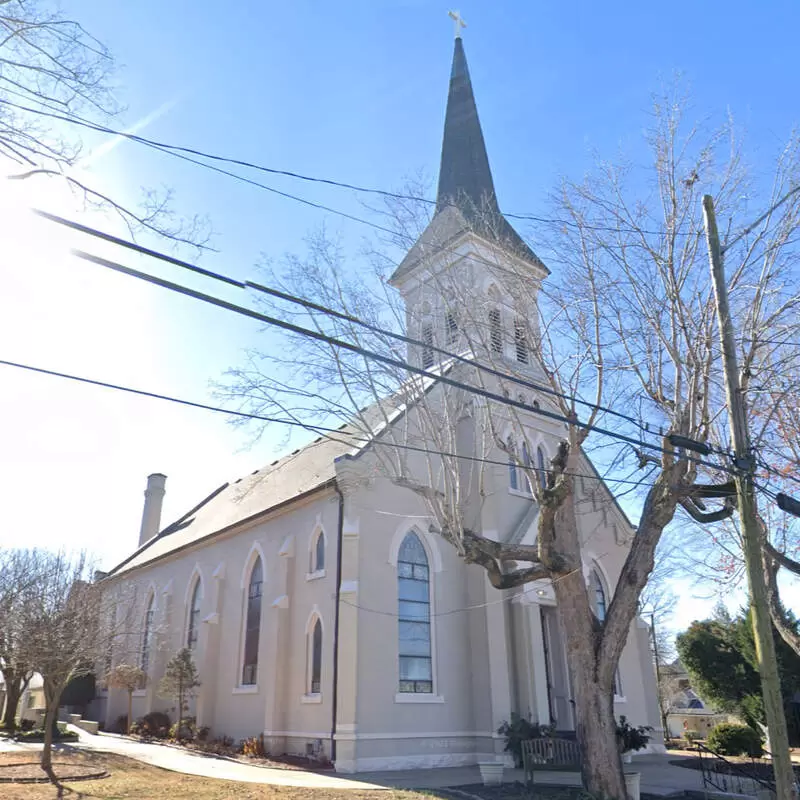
(632, 783)
(627, 758)
(492, 772)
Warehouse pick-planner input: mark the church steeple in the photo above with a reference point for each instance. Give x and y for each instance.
(465, 179)
(466, 203)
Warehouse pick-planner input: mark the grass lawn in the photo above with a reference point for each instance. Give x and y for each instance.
(132, 779)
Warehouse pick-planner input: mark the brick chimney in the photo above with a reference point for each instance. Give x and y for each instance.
(151, 514)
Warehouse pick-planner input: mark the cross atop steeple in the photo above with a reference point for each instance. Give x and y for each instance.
(458, 20)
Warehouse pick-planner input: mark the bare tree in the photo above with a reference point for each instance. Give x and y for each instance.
(55, 80)
(69, 627)
(20, 572)
(627, 323)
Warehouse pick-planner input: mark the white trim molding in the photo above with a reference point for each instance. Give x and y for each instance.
(429, 761)
(418, 697)
(427, 538)
(347, 736)
(250, 689)
(310, 699)
(316, 575)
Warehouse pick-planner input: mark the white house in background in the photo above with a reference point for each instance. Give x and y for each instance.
(321, 611)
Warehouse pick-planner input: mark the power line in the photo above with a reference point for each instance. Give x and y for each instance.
(310, 305)
(755, 224)
(372, 355)
(333, 434)
(186, 153)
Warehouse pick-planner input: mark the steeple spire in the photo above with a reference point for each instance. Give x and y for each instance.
(465, 199)
(465, 179)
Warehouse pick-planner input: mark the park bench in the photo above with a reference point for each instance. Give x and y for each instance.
(550, 754)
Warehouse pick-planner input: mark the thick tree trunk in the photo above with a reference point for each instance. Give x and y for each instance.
(14, 689)
(595, 725)
(47, 750)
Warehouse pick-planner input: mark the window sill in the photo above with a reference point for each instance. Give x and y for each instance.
(316, 575)
(620, 698)
(245, 689)
(418, 697)
(140, 693)
(310, 699)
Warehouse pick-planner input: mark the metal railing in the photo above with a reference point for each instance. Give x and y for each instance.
(746, 777)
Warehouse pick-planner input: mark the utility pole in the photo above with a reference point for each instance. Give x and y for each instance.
(745, 490)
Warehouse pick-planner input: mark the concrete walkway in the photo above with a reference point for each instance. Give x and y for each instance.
(177, 759)
(659, 777)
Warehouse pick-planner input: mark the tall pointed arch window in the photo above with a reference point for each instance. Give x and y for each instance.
(147, 635)
(315, 658)
(427, 346)
(252, 627)
(495, 330)
(528, 462)
(541, 465)
(414, 618)
(521, 341)
(513, 478)
(598, 595)
(451, 327)
(193, 627)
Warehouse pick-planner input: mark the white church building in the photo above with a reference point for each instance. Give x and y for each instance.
(321, 610)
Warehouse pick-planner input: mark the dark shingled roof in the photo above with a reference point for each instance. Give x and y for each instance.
(465, 199)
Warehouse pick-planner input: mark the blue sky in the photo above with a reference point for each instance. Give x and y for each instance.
(353, 91)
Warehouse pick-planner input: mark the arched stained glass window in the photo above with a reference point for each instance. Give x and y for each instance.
(315, 658)
(414, 617)
(252, 624)
(194, 617)
(147, 636)
(513, 479)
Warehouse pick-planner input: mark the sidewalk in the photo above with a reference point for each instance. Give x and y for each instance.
(659, 777)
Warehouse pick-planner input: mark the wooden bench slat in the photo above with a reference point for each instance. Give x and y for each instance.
(552, 754)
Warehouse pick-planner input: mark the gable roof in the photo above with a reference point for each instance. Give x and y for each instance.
(287, 479)
(304, 471)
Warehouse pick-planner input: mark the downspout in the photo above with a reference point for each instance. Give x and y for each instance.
(335, 692)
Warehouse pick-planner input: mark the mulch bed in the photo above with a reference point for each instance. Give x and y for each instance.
(299, 763)
(519, 791)
(31, 772)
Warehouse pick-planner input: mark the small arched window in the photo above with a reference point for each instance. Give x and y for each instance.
(599, 595)
(318, 553)
(513, 478)
(427, 346)
(541, 465)
(194, 617)
(414, 618)
(495, 330)
(252, 624)
(315, 658)
(147, 636)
